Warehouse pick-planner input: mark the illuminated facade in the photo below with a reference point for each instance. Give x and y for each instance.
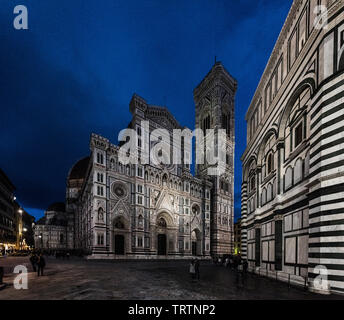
(157, 211)
(292, 190)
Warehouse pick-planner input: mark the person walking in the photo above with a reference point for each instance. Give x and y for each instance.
(40, 264)
(197, 273)
(192, 269)
(33, 260)
(227, 262)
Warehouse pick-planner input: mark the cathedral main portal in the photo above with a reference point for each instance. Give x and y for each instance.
(162, 245)
(119, 244)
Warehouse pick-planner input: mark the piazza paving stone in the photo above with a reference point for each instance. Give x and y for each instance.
(79, 279)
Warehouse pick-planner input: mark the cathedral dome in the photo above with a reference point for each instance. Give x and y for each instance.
(79, 170)
(57, 206)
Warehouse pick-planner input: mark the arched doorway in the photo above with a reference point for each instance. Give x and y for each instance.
(119, 244)
(196, 242)
(162, 245)
(120, 236)
(162, 239)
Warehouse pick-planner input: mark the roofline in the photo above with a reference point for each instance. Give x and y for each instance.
(275, 52)
(7, 180)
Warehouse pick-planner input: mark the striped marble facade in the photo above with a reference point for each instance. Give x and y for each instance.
(293, 184)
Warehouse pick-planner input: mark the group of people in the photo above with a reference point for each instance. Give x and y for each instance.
(194, 269)
(38, 263)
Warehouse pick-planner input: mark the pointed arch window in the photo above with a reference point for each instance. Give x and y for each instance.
(270, 163)
(253, 183)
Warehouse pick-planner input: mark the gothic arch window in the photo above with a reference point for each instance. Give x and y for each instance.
(195, 209)
(119, 224)
(162, 223)
(269, 163)
(100, 214)
(253, 183)
(268, 154)
(296, 123)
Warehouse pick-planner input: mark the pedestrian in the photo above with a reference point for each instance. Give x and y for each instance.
(192, 269)
(197, 273)
(33, 260)
(40, 264)
(227, 262)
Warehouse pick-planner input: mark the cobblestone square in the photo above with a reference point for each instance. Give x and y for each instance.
(78, 279)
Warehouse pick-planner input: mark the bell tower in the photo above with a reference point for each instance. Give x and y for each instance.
(214, 100)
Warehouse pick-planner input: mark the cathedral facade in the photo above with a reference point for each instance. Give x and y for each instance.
(157, 211)
(292, 190)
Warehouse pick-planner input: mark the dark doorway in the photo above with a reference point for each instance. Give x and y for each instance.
(119, 244)
(162, 245)
(194, 248)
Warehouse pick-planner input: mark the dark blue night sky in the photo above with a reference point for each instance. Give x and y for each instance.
(74, 72)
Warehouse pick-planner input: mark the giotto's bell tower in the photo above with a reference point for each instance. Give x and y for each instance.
(214, 100)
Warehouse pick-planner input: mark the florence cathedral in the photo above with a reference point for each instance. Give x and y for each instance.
(155, 211)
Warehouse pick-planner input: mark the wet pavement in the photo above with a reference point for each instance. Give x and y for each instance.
(78, 279)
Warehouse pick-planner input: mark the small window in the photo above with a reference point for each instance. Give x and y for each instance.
(100, 158)
(100, 177)
(100, 191)
(139, 242)
(253, 183)
(298, 134)
(270, 163)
